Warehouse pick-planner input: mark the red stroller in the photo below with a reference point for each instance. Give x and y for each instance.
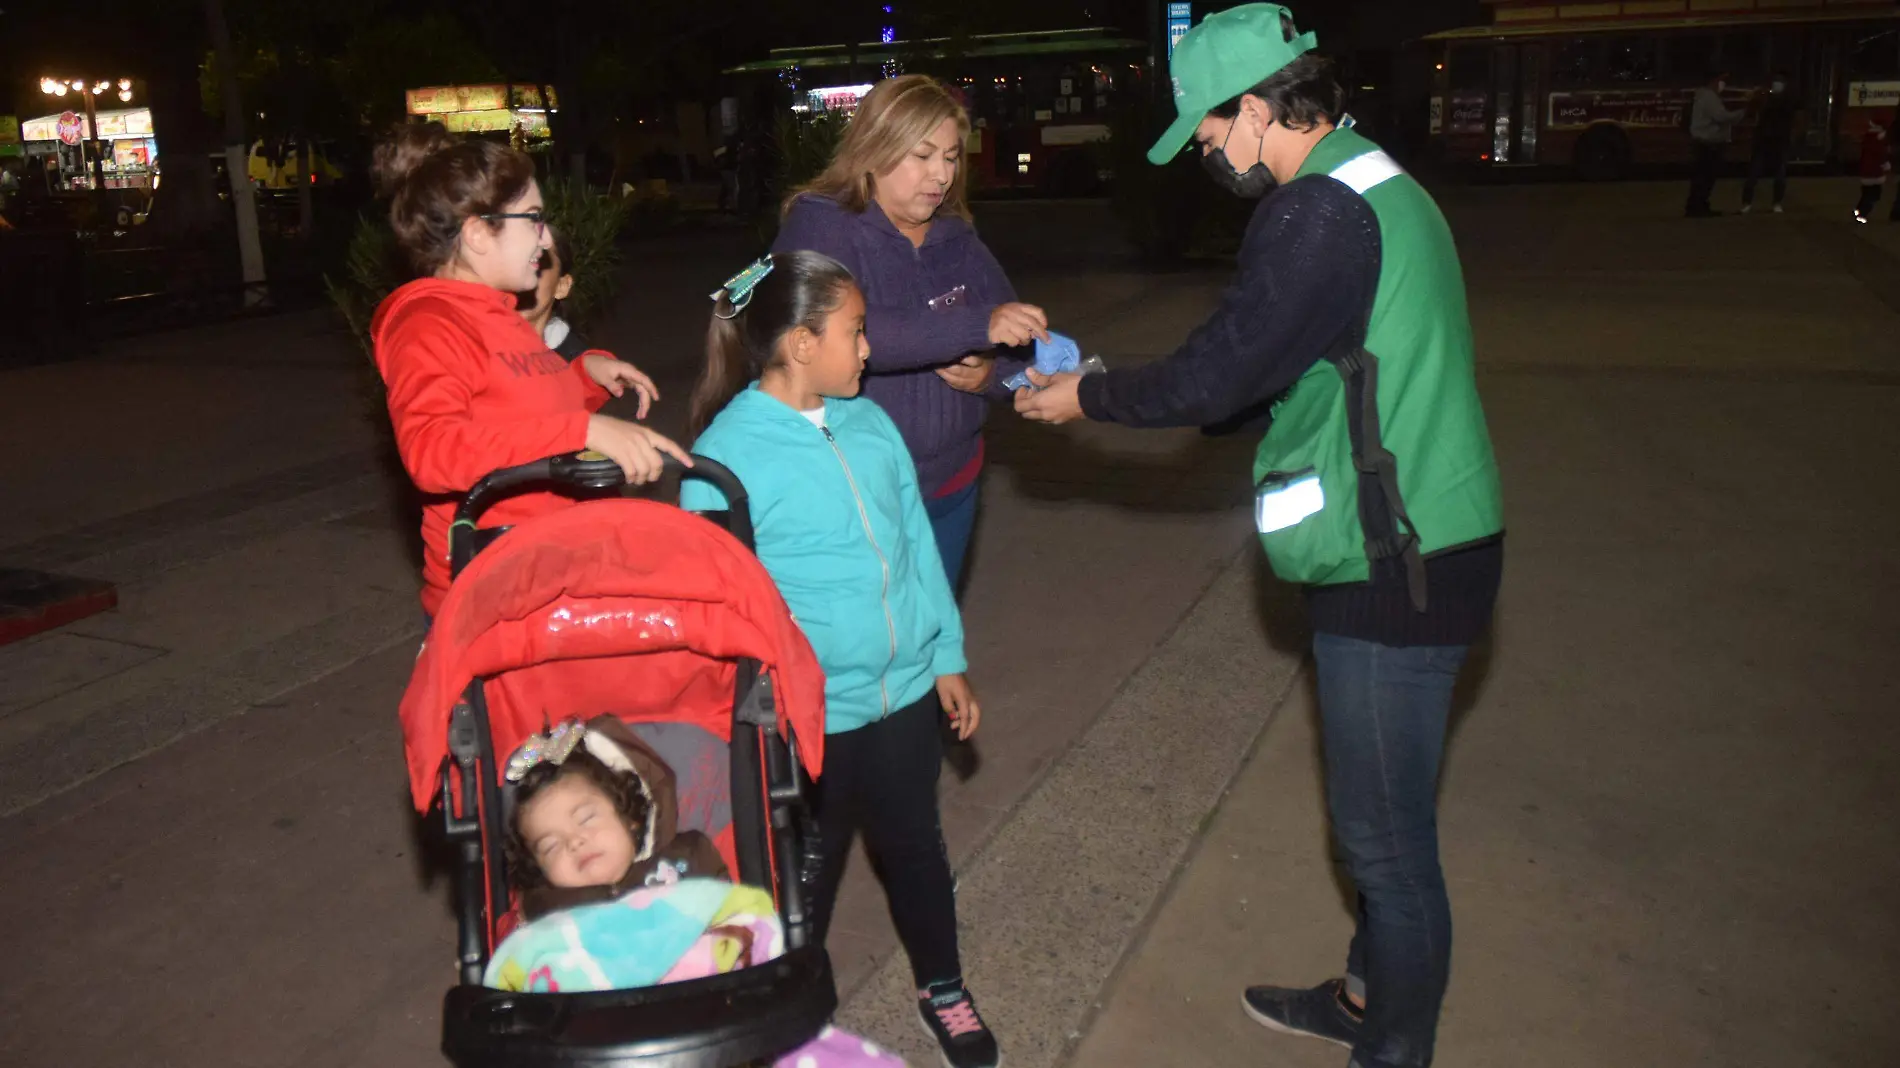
(666, 620)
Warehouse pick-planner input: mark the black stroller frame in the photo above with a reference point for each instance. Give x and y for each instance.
(718, 1022)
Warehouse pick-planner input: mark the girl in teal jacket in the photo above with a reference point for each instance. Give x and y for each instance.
(840, 524)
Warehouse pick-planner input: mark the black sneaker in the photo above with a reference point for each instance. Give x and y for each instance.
(949, 1015)
(1322, 1012)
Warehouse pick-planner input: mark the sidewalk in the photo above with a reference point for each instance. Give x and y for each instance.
(1683, 724)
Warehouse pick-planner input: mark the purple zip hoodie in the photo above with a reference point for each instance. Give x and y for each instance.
(909, 339)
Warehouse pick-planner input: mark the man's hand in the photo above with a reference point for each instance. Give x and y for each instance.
(615, 376)
(970, 374)
(1054, 400)
(959, 703)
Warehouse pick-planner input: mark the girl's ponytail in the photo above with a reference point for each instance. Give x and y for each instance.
(728, 367)
(801, 289)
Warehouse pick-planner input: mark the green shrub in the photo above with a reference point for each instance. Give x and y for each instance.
(801, 149)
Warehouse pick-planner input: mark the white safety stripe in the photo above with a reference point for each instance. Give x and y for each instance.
(1363, 172)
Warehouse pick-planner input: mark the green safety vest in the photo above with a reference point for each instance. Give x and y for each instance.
(1401, 411)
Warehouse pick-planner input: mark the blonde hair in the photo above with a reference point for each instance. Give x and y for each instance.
(891, 119)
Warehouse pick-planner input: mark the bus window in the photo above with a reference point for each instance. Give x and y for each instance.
(1689, 58)
(1744, 58)
(1575, 66)
(1630, 60)
(1471, 67)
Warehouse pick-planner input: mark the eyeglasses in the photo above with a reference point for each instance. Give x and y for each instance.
(537, 217)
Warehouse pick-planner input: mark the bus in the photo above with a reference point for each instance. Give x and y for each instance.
(1604, 87)
(1039, 102)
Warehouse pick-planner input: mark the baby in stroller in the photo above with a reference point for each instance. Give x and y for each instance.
(614, 895)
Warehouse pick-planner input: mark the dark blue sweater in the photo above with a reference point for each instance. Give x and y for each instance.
(909, 339)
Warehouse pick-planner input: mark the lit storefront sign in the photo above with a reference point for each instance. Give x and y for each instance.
(113, 126)
(840, 98)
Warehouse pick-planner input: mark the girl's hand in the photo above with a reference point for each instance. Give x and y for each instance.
(1017, 324)
(615, 376)
(970, 374)
(959, 703)
(636, 449)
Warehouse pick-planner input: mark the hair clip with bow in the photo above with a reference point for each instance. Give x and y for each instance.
(552, 747)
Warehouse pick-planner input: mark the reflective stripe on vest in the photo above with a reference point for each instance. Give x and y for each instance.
(1363, 172)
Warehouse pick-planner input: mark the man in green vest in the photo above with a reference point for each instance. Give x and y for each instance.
(1376, 489)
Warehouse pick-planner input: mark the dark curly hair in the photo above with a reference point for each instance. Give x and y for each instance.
(629, 800)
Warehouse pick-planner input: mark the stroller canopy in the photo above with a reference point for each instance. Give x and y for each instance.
(623, 607)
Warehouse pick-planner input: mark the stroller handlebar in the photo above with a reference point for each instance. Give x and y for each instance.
(588, 470)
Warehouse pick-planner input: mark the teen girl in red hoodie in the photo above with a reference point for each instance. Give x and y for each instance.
(471, 386)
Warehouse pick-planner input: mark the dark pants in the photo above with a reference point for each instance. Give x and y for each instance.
(1869, 196)
(1707, 161)
(953, 520)
(1383, 711)
(1770, 160)
(882, 779)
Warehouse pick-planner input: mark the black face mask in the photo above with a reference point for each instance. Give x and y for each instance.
(1252, 184)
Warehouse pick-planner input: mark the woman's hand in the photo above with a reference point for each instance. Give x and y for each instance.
(1017, 324)
(641, 453)
(615, 376)
(970, 374)
(959, 703)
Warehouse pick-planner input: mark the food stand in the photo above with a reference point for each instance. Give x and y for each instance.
(59, 145)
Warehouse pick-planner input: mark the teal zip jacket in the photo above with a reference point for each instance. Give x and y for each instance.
(840, 525)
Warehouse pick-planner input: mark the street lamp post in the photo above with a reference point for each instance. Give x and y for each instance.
(87, 90)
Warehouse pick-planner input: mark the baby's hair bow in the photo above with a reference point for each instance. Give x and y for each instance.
(552, 747)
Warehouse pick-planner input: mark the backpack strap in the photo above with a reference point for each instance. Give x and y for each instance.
(1359, 369)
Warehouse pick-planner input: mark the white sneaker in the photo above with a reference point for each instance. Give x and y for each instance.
(1746, 208)
(1777, 209)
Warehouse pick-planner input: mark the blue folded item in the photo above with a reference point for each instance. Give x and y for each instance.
(1055, 356)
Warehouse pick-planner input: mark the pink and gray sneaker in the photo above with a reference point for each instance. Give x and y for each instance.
(949, 1014)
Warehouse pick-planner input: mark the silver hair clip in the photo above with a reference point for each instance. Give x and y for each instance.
(738, 289)
(554, 747)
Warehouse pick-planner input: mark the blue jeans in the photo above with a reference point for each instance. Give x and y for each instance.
(952, 520)
(1383, 711)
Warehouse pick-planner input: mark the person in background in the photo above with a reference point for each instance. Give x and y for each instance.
(1876, 162)
(1711, 128)
(1774, 131)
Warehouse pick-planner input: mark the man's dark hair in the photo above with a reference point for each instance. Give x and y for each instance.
(1301, 95)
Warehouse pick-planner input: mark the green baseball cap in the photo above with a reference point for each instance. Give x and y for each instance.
(1229, 53)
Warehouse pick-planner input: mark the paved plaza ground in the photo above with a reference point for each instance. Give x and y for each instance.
(1667, 813)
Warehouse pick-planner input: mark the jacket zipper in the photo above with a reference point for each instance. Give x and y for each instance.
(884, 566)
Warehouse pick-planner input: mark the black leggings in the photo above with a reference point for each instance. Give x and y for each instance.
(882, 779)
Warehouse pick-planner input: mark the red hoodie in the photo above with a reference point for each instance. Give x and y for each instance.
(473, 388)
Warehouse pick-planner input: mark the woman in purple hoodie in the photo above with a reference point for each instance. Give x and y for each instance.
(891, 208)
